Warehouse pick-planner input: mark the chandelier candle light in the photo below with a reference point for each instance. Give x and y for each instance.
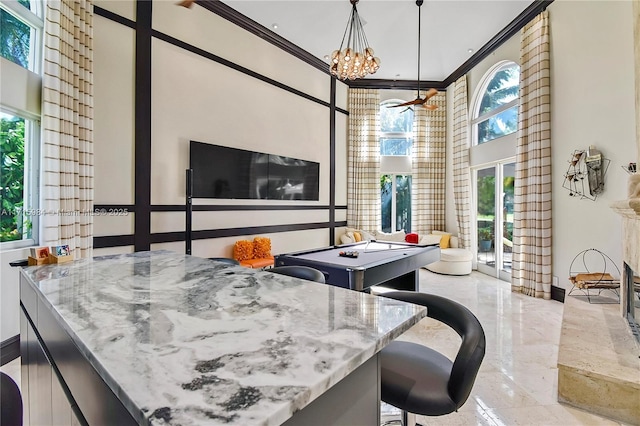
(356, 60)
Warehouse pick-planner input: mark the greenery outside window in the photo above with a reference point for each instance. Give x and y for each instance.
(20, 33)
(494, 122)
(395, 192)
(21, 43)
(18, 179)
(496, 114)
(396, 141)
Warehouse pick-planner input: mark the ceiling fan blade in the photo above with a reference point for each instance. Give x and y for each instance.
(413, 102)
(430, 107)
(186, 3)
(431, 93)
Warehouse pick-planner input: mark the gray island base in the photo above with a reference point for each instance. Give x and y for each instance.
(163, 338)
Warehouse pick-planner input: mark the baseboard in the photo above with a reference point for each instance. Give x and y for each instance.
(557, 293)
(10, 349)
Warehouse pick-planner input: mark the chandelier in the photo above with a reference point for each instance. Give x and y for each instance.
(356, 60)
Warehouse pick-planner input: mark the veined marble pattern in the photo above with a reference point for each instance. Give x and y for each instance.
(187, 340)
(518, 380)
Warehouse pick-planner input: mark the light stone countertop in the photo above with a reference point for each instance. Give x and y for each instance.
(186, 340)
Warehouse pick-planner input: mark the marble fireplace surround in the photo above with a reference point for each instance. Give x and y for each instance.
(598, 357)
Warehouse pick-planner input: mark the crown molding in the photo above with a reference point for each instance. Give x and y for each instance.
(505, 34)
(377, 83)
(232, 15)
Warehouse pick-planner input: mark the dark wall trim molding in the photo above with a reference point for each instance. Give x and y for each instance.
(505, 34)
(253, 27)
(557, 293)
(332, 163)
(113, 241)
(114, 17)
(142, 218)
(178, 43)
(172, 237)
(169, 237)
(208, 55)
(239, 207)
(371, 83)
(10, 349)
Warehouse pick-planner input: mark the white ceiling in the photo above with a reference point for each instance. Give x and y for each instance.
(449, 29)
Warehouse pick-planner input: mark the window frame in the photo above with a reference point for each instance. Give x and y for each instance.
(476, 119)
(32, 18)
(392, 172)
(31, 177)
(495, 153)
(32, 156)
(394, 135)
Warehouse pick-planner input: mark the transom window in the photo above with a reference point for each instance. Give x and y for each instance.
(396, 142)
(496, 113)
(396, 129)
(20, 32)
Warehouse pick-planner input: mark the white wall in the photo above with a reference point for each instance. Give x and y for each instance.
(194, 98)
(10, 293)
(591, 103)
(25, 102)
(592, 78)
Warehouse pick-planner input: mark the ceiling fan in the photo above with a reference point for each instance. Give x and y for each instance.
(431, 92)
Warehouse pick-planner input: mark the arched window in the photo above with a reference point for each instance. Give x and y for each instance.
(396, 140)
(494, 122)
(495, 113)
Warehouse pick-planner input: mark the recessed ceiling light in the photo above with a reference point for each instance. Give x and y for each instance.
(274, 26)
(326, 57)
(470, 50)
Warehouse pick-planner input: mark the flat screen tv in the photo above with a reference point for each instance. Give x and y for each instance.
(231, 173)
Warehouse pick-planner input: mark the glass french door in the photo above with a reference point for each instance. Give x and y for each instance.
(395, 194)
(494, 219)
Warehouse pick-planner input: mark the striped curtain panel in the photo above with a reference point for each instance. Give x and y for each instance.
(363, 179)
(461, 173)
(531, 272)
(67, 127)
(428, 167)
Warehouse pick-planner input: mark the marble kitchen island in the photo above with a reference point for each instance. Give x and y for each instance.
(164, 338)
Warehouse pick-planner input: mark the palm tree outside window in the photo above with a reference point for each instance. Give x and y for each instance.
(497, 112)
(494, 124)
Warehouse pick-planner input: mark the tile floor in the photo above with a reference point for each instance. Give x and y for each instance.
(517, 383)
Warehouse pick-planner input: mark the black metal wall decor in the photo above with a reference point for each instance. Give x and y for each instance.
(585, 175)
